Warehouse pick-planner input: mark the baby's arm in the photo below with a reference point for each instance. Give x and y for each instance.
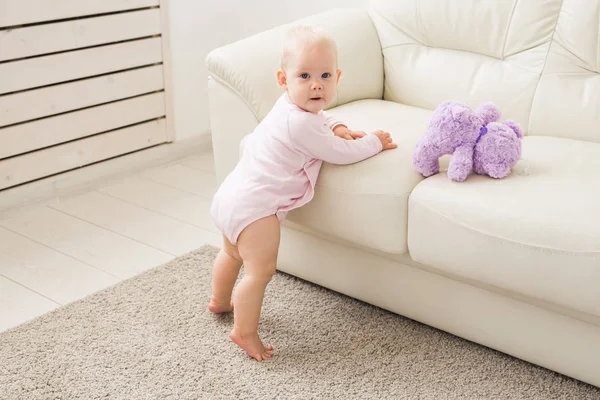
(312, 136)
(333, 122)
(340, 129)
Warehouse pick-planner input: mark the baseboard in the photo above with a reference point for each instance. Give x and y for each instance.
(91, 176)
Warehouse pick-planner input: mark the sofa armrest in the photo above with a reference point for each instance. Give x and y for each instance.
(243, 75)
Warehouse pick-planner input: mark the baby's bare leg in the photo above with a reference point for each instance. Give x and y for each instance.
(225, 272)
(258, 245)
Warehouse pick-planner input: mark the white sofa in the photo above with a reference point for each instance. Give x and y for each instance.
(512, 264)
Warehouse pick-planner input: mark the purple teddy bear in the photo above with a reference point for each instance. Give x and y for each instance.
(474, 138)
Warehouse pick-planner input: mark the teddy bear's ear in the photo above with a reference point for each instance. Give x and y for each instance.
(458, 110)
(515, 127)
(488, 112)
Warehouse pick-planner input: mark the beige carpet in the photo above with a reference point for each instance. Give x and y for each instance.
(151, 338)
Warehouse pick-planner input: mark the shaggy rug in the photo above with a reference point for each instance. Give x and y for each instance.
(151, 337)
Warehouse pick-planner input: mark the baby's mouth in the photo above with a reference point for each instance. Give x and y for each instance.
(316, 98)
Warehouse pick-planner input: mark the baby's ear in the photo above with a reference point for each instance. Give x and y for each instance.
(339, 74)
(282, 79)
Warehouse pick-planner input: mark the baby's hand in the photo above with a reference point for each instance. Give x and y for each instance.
(357, 134)
(386, 140)
(348, 134)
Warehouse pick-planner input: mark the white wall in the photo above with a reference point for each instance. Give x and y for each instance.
(198, 26)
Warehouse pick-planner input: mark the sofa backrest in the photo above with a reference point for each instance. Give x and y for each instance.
(567, 99)
(538, 60)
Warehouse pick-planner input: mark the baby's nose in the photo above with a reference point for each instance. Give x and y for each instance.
(317, 85)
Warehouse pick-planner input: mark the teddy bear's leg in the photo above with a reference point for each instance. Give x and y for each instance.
(461, 163)
(426, 159)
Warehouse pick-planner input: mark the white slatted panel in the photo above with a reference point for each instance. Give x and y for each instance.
(70, 96)
(42, 71)
(79, 81)
(50, 38)
(47, 132)
(19, 12)
(31, 166)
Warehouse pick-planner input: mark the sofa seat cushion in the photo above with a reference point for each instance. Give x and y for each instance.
(366, 203)
(535, 233)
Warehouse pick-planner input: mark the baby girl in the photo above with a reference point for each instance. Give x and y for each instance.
(277, 173)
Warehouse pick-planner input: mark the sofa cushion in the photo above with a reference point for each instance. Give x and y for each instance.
(535, 233)
(366, 203)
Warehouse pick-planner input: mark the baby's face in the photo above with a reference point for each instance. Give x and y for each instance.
(311, 77)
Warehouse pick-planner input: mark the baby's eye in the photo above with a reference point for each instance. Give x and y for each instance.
(304, 76)
(326, 75)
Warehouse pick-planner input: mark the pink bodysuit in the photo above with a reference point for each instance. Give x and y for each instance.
(280, 164)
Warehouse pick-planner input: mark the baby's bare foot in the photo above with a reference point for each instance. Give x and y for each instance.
(219, 307)
(252, 345)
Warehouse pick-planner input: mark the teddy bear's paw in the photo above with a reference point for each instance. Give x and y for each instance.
(458, 174)
(498, 171)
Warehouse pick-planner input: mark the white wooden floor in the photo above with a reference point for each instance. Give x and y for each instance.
(61, 251)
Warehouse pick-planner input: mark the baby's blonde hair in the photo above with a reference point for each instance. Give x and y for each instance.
(302, 35)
